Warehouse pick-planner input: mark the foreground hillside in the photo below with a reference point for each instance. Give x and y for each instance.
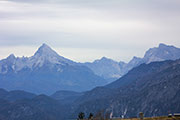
(21, 105)
(153, 118)
(146, 118)
(153, 89)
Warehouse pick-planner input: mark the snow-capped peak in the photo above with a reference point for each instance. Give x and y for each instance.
(45, 50)
(45, 54)
(161, 53)
(162, 45)
(11, 57)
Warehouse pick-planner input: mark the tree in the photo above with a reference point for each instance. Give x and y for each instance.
(107, 115)
(100, 115)
(90, 116)
(81, 116)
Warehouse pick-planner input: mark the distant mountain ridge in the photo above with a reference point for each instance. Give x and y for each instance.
(15, 95)
(153, 89)
(161, 53)
(66, 97)
(106, 68)
(112, 70)
(46, 72)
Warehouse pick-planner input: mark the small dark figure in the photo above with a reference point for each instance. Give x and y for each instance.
(90, 116)
(81, 116)
(141, 115)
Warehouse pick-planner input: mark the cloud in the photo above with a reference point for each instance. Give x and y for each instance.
(116, 25)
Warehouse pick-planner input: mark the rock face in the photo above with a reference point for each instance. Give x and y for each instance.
(153, 89)
(106, 68)
(112, 70)
(46, 72)
(161, 53)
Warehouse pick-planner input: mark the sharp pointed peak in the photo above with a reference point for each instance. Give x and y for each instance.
(162, 45)
(44, 49)
(104, 58)
(11, 56)
(44, 45)
(135, 59)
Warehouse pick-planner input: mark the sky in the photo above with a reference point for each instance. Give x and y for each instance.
(85, 30)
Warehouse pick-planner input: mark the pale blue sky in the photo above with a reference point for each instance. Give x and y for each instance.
(85, 30)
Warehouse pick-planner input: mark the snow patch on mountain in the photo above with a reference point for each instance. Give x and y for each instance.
(112, 70)
(44, 55)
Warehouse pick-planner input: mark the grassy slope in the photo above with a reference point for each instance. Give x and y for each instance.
(153, 118)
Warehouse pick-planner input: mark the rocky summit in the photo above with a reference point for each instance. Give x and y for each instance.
(46, 72)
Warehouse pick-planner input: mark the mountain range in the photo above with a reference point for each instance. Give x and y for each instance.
(112, 70)
(153, 89)
(47, 72)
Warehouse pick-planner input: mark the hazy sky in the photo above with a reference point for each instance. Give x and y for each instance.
(85, 30)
